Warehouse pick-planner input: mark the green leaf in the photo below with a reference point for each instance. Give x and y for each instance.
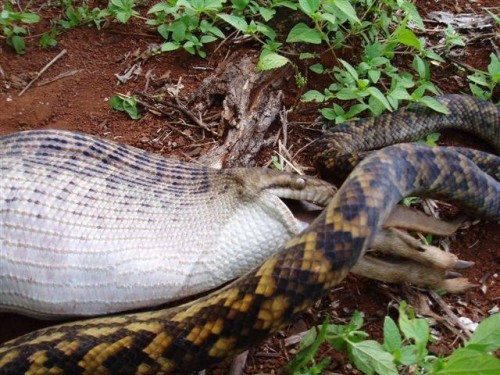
(494, 68)
(416, 329)
(277, 166)
(487, 335)
(434, 104)
(116, 102)
(164, 31)
(128, 105)
(379, 96)
(207, 39)
(399, 93)
(306, 353)
(48, 40)
(317, 68)
(18, 44)
(307, 55)
(470, 362)
(161, 7)
(350, 69)
(374, 75)
(29, 18)
(347, 94)
(240, 4)
(271, 61)
(348, 10)
(238, 23)
(356, 321)
(433, 56)
(287, 4)
(303, 33)
(355, 110)
(480, 79)
(266, 13)
(421, 67)
(409, 354)
(412, 12)
(407, 37)
(392, 337)
(178, 29)
(330, 18)
(309, 6)
(169, 46)
(313, 96)
(369, 357)
(494, 16)
(328, 113)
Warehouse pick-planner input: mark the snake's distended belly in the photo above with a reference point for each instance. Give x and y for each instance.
(90, 227)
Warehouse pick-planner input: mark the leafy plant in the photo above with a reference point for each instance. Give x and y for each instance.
(403, 347)
(182, 24)
(48, 39)
(430, 139)
(452, 39)
(481, 83)
(126, 104)
(12, 26)
(80, 15)
(122, 10)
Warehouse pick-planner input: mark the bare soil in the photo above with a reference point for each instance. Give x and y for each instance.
(80, 102)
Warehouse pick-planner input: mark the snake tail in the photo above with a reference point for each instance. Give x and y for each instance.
(466, 113)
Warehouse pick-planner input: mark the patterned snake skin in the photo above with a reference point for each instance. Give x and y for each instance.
(222, 324)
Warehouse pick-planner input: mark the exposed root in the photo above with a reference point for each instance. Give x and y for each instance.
(250, 104)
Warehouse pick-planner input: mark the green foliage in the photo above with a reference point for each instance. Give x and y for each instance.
(188, 24)
(303, 362)
(125, 104)
(481, 83)
(452, 39)
(12, 24)
(79, 13)
(403, 348)
(430, 139)
(48, 39)
(121, 10)
(369, 83)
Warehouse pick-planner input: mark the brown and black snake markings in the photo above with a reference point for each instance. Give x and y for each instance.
(224, 323)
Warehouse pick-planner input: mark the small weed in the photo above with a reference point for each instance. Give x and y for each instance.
(481, 83)
(404, 348)
(430, 139)
(276, 163)
(48, 39)
(126, 104)
(300, 80)
(13, 29)
(452, 39)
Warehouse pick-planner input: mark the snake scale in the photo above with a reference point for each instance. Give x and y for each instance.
(205, 331)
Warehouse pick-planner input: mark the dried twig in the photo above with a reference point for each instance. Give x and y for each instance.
(451, 315)
(153, 109)
(69, 73)
(44, 69)
(184, 110)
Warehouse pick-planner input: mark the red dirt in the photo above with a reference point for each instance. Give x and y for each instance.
(80, 102)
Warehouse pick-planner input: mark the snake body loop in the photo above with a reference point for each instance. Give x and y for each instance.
(226, 322)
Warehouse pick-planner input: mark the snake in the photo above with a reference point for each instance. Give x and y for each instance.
(203, 332)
